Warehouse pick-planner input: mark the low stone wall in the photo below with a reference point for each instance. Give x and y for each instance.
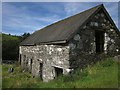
(49, 55)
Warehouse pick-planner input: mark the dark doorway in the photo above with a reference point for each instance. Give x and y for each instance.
(20, 58)
(41, 69)
(31, 64)
(58, 71)
(99, 39)
(24, 60)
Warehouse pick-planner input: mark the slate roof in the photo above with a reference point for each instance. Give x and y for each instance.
(61, 31)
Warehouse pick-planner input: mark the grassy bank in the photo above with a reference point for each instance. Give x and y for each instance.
(103, 74)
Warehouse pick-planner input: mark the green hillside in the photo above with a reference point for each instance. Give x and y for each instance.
(6, 37)
(103, 74)
(10, 47)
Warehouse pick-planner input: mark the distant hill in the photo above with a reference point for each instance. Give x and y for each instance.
(6, 37)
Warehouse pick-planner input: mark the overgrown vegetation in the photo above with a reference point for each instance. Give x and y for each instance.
(103, 74)
(10, 46)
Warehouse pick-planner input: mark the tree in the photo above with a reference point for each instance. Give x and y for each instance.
(25, 35)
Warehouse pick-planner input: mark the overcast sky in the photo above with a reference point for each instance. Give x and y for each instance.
(21, 17)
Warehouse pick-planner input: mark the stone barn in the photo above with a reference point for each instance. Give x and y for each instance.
(71, 43)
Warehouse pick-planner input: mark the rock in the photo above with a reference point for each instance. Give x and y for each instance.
(10, 70)
(117, 58)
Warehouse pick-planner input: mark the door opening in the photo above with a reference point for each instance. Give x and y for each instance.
(31, 64)
(20, 58)
(58, 71)
(24, 61)
(41, 70)
(99, 40)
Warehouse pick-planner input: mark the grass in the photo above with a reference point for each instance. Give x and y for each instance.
(16, 79)
(103, 74)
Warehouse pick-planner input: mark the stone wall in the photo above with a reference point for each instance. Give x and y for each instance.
(50, 56)
(83, 44)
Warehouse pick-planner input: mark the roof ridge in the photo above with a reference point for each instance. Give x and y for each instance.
(70, 17)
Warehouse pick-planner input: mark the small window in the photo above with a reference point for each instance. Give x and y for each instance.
(31, 61)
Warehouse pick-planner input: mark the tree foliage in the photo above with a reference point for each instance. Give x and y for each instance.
(25, 35)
